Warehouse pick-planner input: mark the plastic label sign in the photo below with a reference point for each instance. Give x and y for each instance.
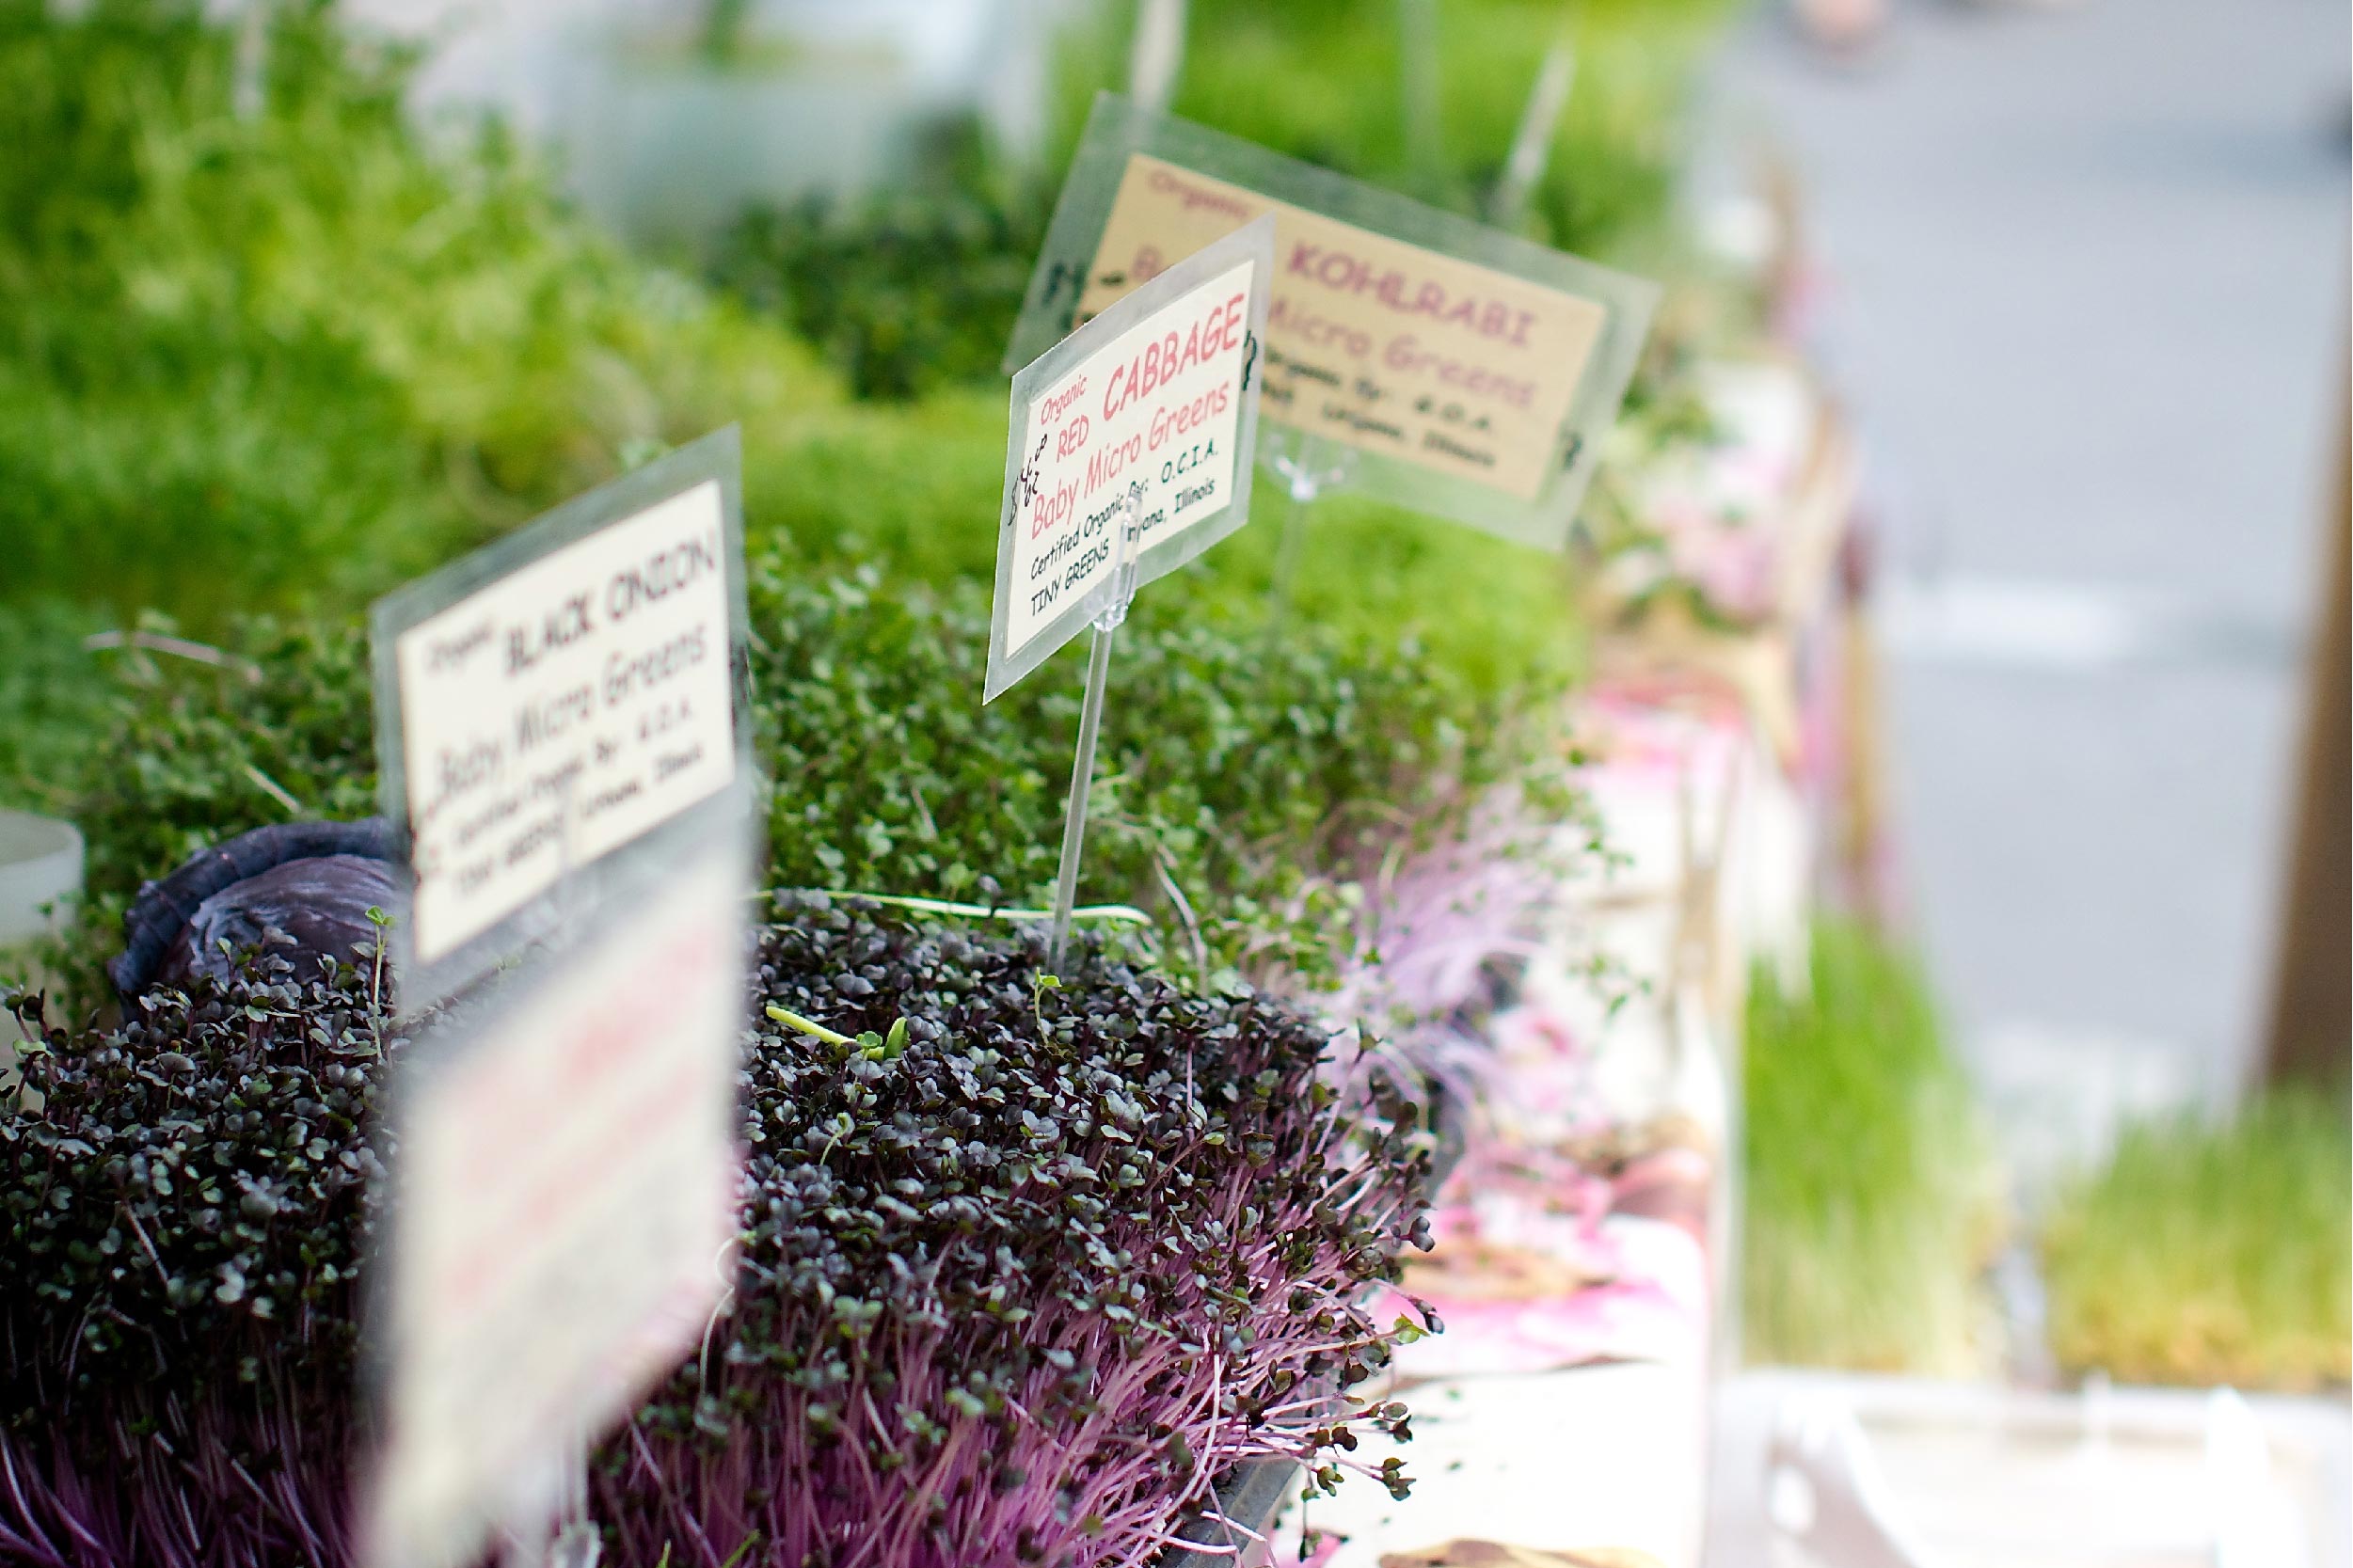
(568, 691)
(564, 1188)
(1471, 372)
(1148, 413)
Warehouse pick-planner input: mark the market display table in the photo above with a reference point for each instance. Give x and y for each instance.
(1586, 1240)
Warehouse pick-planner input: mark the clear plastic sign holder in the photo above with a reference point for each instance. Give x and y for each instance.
(1152, 406)
(537, 1516)
(1145, 188)
(1307, 467)
(1106, 626)
(534, 1513)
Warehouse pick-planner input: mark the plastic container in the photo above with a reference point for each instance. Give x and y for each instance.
(1975, 1476)
(668, 145)
(40, 863)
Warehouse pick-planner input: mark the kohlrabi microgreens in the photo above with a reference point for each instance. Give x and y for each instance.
(904, 294)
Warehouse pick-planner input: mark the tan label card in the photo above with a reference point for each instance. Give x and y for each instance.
(1389, 347)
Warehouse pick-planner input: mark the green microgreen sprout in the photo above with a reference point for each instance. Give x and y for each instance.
(382, 921)
(808, 1026)
(1039, 984)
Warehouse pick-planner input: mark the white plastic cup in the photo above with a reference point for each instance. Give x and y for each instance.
(40, 864)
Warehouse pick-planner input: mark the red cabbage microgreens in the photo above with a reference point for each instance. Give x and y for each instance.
(1025, 1270)
(1028, 1266)
(1447, 926)
(182, 1213)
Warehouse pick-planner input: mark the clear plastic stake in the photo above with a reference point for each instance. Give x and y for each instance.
(547, 1525)
(1540, 124)
(1419, 53)
(249, 90)
(1091, 723)
(1316, 467)
(1158, 55)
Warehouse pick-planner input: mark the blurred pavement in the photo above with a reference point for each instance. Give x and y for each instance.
(2085, 289)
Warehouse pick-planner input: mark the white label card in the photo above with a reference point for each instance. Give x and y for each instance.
(1153, 405)
(563, 710)
(564, 1185)
(1158, 406)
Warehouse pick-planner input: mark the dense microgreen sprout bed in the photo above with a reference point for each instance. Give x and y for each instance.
(1325, 80)
(1492, 618)
(1872, 1201)
(1243, 787)
(905, 293)
(1023, 1277)
(50, 689)
(183, 1221)
(1244, 784)
(2212, 1252)
(1027, 1263)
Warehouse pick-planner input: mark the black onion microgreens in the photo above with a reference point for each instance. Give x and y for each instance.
(1028, 1264)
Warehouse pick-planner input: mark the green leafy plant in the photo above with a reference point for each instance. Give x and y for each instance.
(2210, 1252)
(252, 358)
(1493, 618)
(1871, 1204)
(1242, 786)
(906, 292)
(1326, 81)
(50, 690)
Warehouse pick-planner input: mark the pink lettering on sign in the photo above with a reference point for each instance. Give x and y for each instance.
(1060, 404)
(1200, 196)
(1172, 356)
(1343, 272)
